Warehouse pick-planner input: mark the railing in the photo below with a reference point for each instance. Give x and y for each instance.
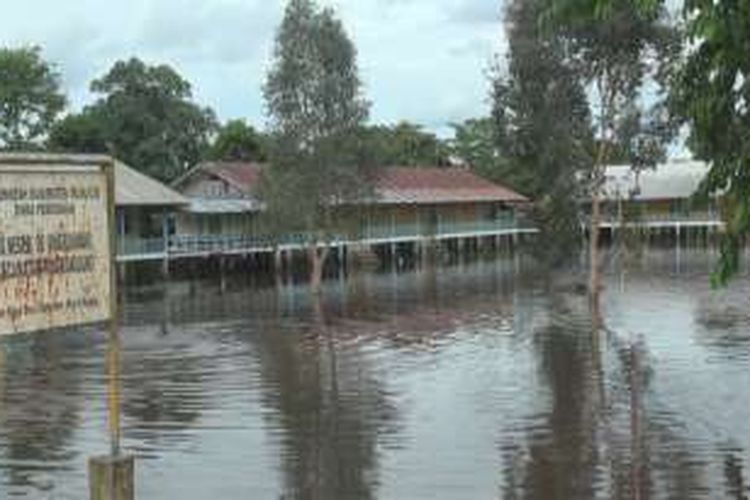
(222, 243)
(127, 247)
(708, 218)
(481, 226)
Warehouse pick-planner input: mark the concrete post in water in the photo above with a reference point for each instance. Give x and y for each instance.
(286, 264)
(111, 478)
(122, 272)
(222, 274)
(165, 240)
(341, 258)
(278, 261)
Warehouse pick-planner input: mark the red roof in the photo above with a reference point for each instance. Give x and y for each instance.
(394, 185)
(243, 176)
(439, 185)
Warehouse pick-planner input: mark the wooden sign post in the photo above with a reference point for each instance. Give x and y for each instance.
(57, 261)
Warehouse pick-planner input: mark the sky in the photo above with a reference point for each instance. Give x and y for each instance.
(425, 61)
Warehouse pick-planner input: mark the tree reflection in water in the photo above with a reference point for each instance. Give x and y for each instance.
(40, 405)
(603, 434)
(333, 411)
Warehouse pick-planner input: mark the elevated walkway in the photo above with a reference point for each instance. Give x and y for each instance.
(192, 246)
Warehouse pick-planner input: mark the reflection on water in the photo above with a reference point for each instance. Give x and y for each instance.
(476, 381)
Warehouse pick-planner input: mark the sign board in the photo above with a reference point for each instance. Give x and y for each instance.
(56, 247)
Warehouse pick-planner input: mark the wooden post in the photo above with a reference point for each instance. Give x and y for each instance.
(111, 478)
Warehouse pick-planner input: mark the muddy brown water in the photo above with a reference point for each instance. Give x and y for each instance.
(470, 382)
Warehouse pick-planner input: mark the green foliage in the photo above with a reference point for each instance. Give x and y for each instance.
(149, 120)
(622, 50)
(712, 95)
(238, 141)
(620, 47)
(543, 129)
(316, 109)
(78, 133)
(405, 144)
(540, 110)
(475, 142)
(30, 98)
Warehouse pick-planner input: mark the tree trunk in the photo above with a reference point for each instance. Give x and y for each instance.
(595, 284)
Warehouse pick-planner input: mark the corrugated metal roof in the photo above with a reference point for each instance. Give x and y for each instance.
(676, 179)
(439, 185)
(243, 176)
(394, 185)
(133, 188)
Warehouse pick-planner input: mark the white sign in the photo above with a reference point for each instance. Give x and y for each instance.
(55, 260)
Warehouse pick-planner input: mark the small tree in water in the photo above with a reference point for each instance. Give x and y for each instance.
(314, 98)
(619, 47)
(544, 129)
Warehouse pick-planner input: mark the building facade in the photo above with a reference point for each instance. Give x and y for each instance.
(663, 196)
(224, 213)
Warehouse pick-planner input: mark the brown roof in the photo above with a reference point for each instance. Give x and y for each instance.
(439, 185)
(394, 185)
(243, 176)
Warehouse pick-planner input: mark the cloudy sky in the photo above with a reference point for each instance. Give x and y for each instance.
(421, 60)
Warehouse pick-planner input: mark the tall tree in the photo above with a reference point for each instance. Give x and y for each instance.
(713, 95)
(149, 120)
(475, 143)
(317, 111)
(238, 141)
(405, 144)
(618, 46)
(543, 128)
(78, 133)
(30, 98)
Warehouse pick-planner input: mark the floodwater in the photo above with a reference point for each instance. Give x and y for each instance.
(477, 381)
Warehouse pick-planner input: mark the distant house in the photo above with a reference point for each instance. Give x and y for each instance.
(442, 201)
(145, 208)
(658, 197)
(409, 203)
(221, 199)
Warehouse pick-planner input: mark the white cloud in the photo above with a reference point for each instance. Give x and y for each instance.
(421, 60)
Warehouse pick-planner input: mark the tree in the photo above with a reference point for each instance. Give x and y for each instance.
(30, 98)
(78, 133)
(475, 143)
(712, 96)
(543, 129)
(316, 109)
(405, 144)
(618, 46)
(149, 120)
(238, 141)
